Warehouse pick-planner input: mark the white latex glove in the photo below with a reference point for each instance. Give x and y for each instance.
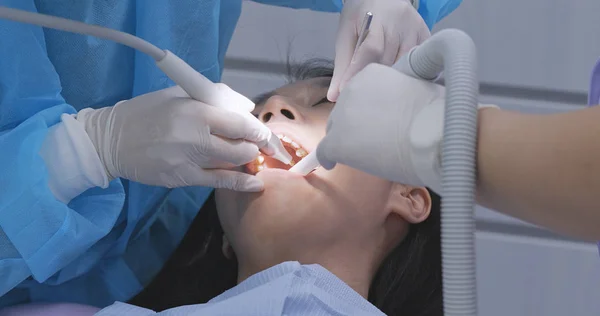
(395, 29)
(390, 125)
(369, 127)
(167, 139)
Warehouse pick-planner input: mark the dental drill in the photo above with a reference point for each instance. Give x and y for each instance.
(454, 52)
(192, 82)
(309, 163)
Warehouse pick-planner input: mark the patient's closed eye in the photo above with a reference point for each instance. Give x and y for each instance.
(322, 101)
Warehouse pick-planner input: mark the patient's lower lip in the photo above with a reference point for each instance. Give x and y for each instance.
(264, 162)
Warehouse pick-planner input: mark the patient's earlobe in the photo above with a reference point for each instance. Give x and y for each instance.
(411, 203)
(226, 248)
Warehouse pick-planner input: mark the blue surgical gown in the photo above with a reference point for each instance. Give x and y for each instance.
(106, 244)
(285, 289)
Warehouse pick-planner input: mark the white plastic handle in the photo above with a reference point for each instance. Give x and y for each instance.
(200, 88)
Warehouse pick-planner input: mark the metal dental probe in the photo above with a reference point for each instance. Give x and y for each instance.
(309, 163)
(366, 25)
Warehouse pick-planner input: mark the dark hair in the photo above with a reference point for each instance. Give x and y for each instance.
(312, 68)
(408, 282)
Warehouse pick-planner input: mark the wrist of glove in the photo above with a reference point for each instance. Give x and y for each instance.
(71, 160)
(423, 146)
(98, 125)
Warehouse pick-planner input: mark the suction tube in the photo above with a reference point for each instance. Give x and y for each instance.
(454, 52)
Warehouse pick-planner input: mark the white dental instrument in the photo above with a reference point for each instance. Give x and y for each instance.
(192, 82)
(309, 163)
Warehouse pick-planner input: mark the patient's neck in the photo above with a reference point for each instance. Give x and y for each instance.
(357, 271)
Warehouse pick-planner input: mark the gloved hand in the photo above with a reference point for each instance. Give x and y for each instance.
(395, 29)
(165, 138)
(390, 125)
(370, 125)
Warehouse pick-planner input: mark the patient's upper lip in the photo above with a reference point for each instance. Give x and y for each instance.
(279, 129)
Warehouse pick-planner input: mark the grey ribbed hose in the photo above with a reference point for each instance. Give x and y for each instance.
(454, 52)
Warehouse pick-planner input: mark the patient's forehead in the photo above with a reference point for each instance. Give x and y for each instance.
(303, 92)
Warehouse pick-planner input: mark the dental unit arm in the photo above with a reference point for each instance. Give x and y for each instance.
(454, 52)
(192, 82)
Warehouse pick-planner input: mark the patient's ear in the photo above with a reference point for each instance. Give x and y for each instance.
(413, 204)
(226, 248)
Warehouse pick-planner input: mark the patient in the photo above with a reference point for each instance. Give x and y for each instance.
(381, 239)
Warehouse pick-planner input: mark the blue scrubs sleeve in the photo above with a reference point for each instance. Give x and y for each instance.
(432, 11)
(317, 5)
(40, 238)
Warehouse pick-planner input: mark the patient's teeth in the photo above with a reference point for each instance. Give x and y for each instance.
(260, 159)
(301, 152)
(261, 167)
(295, 145)
(286, 139)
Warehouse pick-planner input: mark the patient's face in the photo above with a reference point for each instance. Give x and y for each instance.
(300, 218)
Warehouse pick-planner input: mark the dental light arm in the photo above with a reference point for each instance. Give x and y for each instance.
(192, 82)
(454, 52)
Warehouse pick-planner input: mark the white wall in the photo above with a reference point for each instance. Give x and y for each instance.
(535, 56)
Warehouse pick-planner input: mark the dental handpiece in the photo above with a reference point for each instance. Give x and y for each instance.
(200, 88)
(310, 163)
(192, 82)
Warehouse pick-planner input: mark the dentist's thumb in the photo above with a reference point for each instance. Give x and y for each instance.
(326, 152)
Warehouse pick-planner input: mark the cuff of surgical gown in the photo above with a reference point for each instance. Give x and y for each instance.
(71, 159)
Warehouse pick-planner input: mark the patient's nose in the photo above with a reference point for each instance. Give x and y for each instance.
(278, 109)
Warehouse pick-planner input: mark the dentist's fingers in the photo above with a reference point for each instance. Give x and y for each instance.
(235, 151)
(344, 48)
(236, 125)
(326, 152)
(234, 180)
(371, 51)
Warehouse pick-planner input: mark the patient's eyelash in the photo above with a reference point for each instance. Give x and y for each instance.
(324, 100)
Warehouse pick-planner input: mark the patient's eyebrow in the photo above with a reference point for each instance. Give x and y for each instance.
(324, 100)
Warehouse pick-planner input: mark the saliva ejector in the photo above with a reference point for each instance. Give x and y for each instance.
(192, 82)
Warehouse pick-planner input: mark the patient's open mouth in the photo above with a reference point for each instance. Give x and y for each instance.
(263, 162)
